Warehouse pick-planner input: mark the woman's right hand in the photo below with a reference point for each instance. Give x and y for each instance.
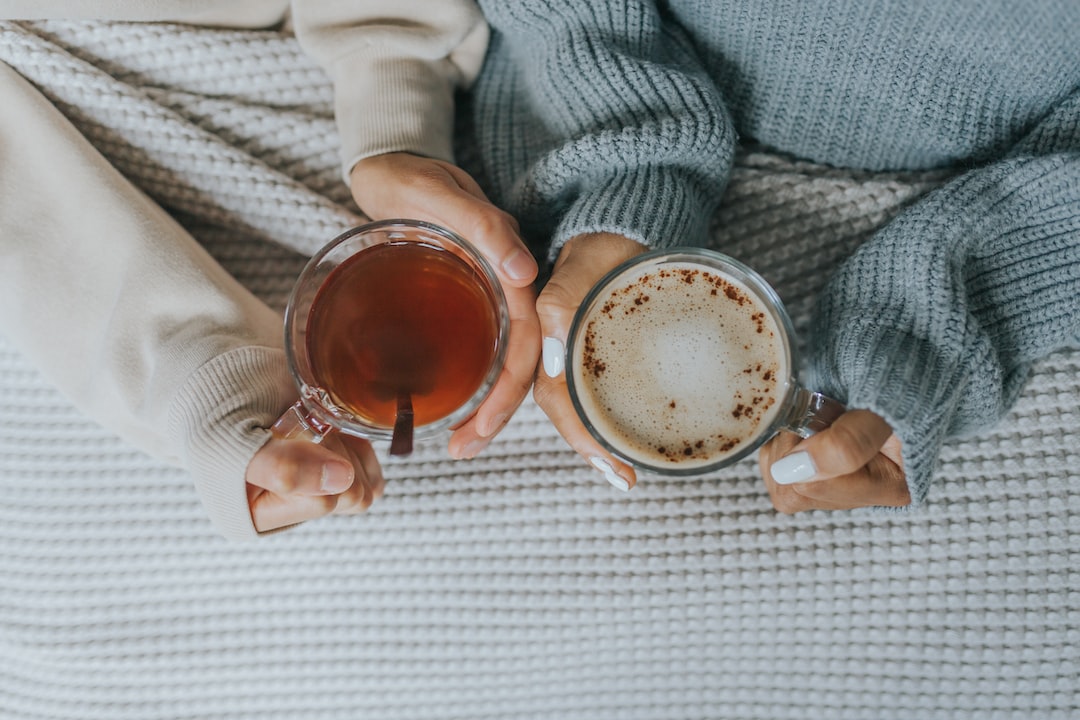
(581, 263)
(856, 462)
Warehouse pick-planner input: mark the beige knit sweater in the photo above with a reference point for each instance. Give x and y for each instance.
(120, 307)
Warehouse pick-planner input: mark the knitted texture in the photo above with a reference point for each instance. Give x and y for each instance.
(969, 288)
(624, 114)
(629, 136)
(519, 584)
(177, 139)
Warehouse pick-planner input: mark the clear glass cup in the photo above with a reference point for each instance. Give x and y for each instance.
(320, 409)
(791, 406)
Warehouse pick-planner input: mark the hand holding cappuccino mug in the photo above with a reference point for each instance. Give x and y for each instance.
(682, 361)
(394, 330)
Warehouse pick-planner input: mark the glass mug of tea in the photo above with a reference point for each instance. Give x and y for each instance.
(395, 329)
(682, 362)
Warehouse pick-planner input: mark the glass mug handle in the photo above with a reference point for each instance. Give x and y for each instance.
(298, 423)
(812, 412)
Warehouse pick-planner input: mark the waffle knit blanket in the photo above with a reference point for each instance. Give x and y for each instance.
(519, 584)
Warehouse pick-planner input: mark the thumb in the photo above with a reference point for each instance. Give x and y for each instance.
(299, 467)
(405, 185)
(581, 263)
(850, 443)
(555, 307)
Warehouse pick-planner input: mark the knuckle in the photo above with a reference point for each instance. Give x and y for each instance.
(846, 449)
(544, 393)
(788, 501)
(428, 174)
(323, 504)
(423, 181)
(353, 506)
(782, 503)
(524, 383)
(287, 475)
(900, 495)
(555, 299)
(490, 222)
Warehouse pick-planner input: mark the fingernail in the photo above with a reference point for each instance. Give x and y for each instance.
(795, 468)
(520, 265)
(336, 477)
(616, 480)
(553, 357)
(494, 424)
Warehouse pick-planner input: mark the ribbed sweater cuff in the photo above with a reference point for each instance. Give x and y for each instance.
(221, 416)
(658, 207)
(934, 322)
(390, 104)
(905, 381)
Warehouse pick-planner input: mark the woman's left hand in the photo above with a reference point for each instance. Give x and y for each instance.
(856, 462)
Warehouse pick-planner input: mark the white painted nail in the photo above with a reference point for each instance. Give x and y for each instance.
(610, 475)
(553, 357)
(795, 468)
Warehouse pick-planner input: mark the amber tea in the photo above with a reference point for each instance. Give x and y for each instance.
(394, 330)
(401, 319)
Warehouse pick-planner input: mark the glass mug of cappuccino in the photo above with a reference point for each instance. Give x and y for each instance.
(394, 330)
(682, 362)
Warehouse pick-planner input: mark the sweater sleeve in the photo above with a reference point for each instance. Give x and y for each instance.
(127, 314)
(395, 66)
(935, 322)
(598, 117)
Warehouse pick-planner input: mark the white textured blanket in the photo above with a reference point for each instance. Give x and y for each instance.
(517, 585)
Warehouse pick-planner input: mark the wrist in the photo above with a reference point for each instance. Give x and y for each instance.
(606, 244)
(377, 181)
(369, 166)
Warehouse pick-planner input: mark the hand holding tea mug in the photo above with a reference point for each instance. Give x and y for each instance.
(682, 361)
(403, 185)
(394, 330)
(292, 481)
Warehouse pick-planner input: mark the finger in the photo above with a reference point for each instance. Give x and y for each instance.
(880, 482)
(581, 264)
(299, 467)
(270, 511)
(425, 189)
(554, 399)
(848, 444)
(514, 382)
(466, 182)
(376, 480)
(359, 496)
(527, 268)
(493, 231)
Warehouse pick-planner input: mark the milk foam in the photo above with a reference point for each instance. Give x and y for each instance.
(680, 366)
